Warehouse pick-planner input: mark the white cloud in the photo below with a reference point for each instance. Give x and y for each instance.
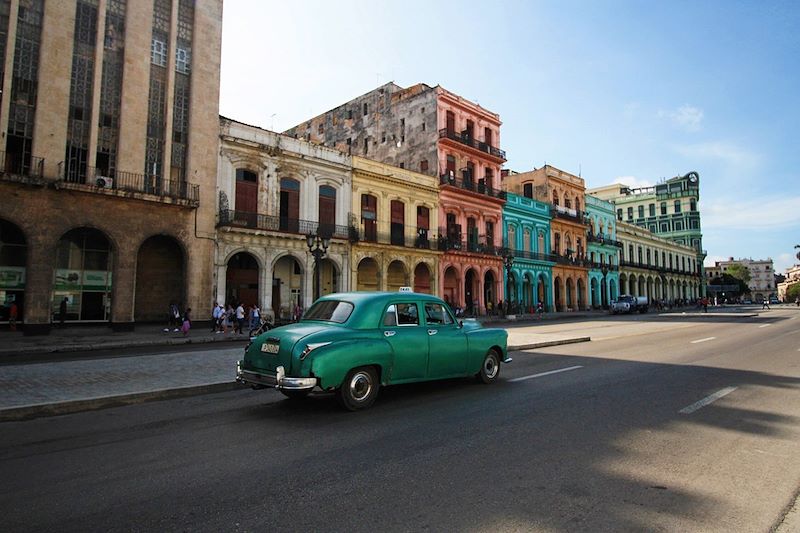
(751, 213)
(711, 259)
(722, 151)
(783, 261)
(686, 117)
(633, 182)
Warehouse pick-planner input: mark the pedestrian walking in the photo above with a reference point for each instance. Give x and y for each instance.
(12, 316)
(765, 304)
(62, 311)
(228, 320)
(705, 305)
(215, 313)
(539, 310)
(174, 318)
(187, 321)
(240, 318)
(255, 317)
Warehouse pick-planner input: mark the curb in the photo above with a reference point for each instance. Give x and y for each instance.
(27, 412)
(28, 350)
(534, 345)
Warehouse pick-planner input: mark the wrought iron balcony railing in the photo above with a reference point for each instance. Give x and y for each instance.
(97, 180)
(241, 219)
(477, 245)
(659, 269)
(568, 214)
(469, 184)
(603, 239)
(17, 165)
(398, 235)
(470, 141)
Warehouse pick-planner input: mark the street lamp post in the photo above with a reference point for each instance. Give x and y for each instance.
(508, 262)
(318, 246)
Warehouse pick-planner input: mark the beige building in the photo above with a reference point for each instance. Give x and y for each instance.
(395, 214)
(792, 278)
(762, 275)
(655, 267)
(108, 136)
(275, 190)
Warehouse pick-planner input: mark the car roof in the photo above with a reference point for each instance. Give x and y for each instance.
(369, 305)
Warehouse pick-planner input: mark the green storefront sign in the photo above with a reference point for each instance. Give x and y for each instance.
(12, 278)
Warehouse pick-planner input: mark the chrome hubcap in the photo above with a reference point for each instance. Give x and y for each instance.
(360, 386)
(490, 366)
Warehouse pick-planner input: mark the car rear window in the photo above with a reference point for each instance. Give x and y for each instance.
(330, 311)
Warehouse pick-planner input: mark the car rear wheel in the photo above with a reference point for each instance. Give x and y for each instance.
(296, 394)
(359, 389)
(490, 369)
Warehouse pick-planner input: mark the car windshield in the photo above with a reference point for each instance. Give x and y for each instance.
(330, 310)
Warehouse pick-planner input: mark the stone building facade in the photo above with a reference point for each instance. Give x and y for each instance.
(762, 275)
(105, 190)
(603, 249)
(792, 278)
(568, 226)
(657, 268)
(669, 209)
(394, 240)
(433, 131)
(528, 261)
(275, 191)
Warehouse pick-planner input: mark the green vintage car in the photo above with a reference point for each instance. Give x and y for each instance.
(352, 343)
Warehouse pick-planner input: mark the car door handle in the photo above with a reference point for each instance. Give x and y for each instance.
(433, 331)
(388, 333)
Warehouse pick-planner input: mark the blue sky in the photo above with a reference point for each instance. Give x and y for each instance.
(618, 91)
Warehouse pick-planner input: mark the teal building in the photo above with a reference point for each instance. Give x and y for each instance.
(528, 261)
(603, 249)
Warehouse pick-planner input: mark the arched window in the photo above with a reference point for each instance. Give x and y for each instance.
(83, 275)
(540, 243)
(512, 237)
(327, 210)
(526, 242)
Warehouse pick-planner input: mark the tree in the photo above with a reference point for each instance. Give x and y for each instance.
(792, 292)
(740, 272)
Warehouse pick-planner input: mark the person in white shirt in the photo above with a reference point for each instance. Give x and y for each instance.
(240, 318)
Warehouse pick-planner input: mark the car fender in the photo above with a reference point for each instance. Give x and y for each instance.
(480, 341)
(331, 363)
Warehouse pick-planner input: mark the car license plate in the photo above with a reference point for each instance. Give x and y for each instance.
(270, 348)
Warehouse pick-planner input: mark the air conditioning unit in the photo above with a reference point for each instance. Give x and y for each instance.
(104, 182)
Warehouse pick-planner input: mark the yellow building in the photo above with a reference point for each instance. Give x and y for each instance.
(656, 267)
(395, 212)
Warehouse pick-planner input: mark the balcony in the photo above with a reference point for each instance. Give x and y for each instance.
(400, 235)
(661, 270)
(594, 265)
(241, 219)
(468, 183)
(567, 213)
(468, 140)
(572, 260)
(95, 180)
(602, 239)
(526, 254)
(15, 168)
(477, 244)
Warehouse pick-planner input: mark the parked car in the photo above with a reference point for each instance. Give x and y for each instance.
(354, 343)
(629, 304)
(774, 300)
(747, 301)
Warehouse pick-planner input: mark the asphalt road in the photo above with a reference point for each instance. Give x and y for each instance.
(660, 425)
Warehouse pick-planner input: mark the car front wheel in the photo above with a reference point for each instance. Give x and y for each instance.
(359, 389)
(490, 369)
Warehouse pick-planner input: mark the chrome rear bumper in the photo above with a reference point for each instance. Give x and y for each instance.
(279, 380)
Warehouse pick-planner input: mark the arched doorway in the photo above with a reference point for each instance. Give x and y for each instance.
(451, 287)
(329, 277)
(527, 292)
(570, 296)
(642, 287)
(241, 279)
(159, 278)
(604, 293)
(594, 296)
(489, 296)
(558, 293)
(541, 290)
(367, 275)
(287, 287)
(13, 259)
(470, 292)
(84, 264)
(623, 284)
(581, 288)
(422, 279)
(396, 276)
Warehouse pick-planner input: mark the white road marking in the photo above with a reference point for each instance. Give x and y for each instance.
(523, 378)
(707, 400)
(764, 325)
(703, 340)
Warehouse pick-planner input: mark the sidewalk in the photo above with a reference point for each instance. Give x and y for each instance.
(30, 390)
